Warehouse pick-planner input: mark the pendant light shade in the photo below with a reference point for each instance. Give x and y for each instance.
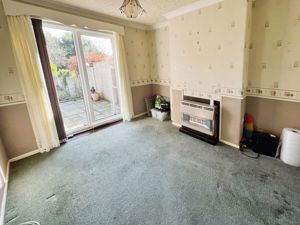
(132, 8)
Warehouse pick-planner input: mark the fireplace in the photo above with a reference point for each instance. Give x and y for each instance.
(200, 119)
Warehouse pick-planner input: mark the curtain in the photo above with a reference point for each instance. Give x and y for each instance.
(125, 89)
(32, 81)
(42, 47)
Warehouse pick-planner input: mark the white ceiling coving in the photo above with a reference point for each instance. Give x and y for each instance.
(155, 8)
(158, 11)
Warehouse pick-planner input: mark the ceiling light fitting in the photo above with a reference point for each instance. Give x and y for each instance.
(132, 8)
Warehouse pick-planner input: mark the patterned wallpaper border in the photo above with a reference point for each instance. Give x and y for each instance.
(272, 93)
(268, 93)
(229, 92)
(11, 99)
(161, 82)
(135, 83)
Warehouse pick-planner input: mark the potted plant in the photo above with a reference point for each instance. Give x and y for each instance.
(95, 95)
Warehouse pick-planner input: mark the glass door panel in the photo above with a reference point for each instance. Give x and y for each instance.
(101, 74)
(67, 78)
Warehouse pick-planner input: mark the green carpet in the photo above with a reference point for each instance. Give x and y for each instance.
(148, 173)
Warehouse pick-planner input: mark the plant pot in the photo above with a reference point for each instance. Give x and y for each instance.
(95, 96)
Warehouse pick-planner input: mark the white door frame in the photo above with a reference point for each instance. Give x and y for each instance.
(84, 78)
(77, 33)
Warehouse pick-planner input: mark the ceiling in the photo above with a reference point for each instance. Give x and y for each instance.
(155, 8)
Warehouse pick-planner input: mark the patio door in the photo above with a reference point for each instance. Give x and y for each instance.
(97, 55)
(85, 76)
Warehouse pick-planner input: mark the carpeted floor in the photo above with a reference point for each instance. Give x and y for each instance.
(147, 173)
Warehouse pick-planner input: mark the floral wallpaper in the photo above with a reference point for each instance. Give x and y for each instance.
(136, 43)
(207, 53)
(274, 65)
(159, 56)
(233, 48)
(10, 88)
(148, 56)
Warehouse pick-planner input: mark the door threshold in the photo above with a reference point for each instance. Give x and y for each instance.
(95, 128)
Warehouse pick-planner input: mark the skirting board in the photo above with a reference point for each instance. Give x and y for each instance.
(176, 124)
(3, 203)
(24, 156)
(230, 144)
(139, 115)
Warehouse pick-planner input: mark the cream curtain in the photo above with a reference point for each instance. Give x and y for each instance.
(32, 81)
(125, 90)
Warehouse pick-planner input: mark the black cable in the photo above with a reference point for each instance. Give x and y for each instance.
(252, 157)
(245, 145)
